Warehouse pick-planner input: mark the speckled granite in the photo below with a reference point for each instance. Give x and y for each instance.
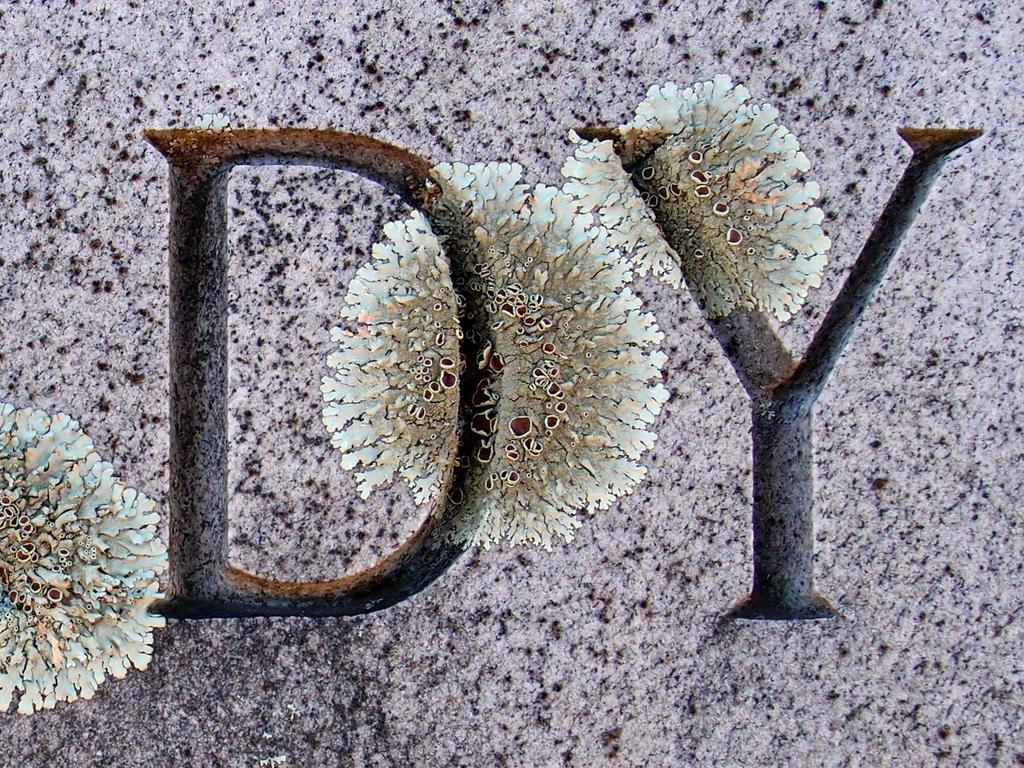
(608, 652)
(296, 237)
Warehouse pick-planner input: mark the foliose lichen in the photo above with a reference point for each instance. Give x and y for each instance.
(596, 177)
(79, 564)
(564, 379)
(567, 379)
(392, 401)
(212, 122)
(724, 180)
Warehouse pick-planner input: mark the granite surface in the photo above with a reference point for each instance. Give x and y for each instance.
(609, 651)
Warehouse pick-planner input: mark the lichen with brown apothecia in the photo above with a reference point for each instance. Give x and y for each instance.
(724, 180)
(79, 564)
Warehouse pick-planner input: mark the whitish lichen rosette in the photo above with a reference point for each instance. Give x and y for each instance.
(392, 401)
(79, 562)
(723, 179)
(566, 380)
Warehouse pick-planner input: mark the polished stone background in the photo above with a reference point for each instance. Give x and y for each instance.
(608, 651)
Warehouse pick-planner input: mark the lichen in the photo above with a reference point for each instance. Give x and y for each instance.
(212, 122)
(564, 379)
(567, 379)
(79, 563)
(596, 176)
(391, 403)
(724, 180)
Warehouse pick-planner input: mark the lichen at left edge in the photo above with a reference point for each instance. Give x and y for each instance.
(79, 564)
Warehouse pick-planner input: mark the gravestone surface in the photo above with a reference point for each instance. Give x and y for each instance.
(610, 650)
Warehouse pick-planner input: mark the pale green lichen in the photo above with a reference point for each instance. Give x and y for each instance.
(392, 399)
(724, 181)
(79, 564)
(596, 177)
(212, 122)
(567, 381)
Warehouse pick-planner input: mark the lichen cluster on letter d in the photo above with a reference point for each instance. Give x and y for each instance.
(564, 382)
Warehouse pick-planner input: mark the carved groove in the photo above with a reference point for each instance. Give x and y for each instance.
(783, 391)
(202, 584)
(783, 447)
